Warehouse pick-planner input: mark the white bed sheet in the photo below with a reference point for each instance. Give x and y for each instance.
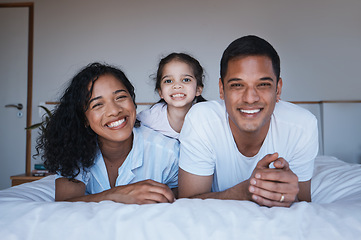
(28, 211)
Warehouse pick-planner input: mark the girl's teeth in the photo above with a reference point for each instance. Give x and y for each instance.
(116, 123)
(250, 111)
(178, 95)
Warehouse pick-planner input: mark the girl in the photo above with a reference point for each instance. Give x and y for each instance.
(179, 82)
(91, 142)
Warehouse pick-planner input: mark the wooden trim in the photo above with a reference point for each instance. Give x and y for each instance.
(326, 101)
(295, 102)
(138, 103)
(30, 6)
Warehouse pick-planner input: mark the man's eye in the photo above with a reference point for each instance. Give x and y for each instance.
(265, 85)
(235, 85)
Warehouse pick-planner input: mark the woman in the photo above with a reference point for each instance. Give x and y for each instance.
(92, 143)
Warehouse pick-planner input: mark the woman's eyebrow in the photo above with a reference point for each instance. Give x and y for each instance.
(93, 99)
(118, 91)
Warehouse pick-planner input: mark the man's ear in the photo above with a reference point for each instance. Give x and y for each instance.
(221, 90)
(279, 89)
(199, 90)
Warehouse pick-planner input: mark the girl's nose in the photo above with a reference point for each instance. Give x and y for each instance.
(177, 85)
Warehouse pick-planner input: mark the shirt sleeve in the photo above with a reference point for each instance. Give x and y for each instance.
(302, 163)
(196, 154)
(172, 177)
(83, 176)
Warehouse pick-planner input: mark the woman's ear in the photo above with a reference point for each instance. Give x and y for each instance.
(86, 124)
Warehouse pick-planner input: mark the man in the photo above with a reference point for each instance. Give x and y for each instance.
(250, 145)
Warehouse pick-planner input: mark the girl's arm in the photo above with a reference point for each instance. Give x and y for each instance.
(144, 192)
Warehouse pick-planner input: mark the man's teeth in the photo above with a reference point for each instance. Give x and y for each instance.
(178, 95)
(116, 123)
(250, 111)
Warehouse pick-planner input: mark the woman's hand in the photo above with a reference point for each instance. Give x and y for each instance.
(144, 192)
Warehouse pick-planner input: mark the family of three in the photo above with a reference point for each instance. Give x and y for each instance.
(249, 145)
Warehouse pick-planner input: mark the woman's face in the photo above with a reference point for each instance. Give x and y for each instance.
(111, 113)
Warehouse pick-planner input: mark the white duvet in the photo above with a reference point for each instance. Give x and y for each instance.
(28, 211)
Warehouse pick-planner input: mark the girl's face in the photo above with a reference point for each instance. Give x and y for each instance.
(111, 112)
(178, 85)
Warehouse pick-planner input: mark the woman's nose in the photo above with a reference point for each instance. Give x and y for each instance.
(113, 109)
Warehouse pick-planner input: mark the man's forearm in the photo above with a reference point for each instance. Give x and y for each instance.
(237, 192)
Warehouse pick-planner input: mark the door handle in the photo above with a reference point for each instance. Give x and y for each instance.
(19, 106)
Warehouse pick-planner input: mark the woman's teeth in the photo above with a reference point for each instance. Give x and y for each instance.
(116, 123)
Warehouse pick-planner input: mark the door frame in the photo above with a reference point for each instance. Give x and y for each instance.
(29, 102)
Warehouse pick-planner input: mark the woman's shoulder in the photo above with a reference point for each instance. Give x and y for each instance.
(152, 137)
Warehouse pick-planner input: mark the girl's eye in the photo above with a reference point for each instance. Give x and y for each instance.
(187, 80)
(167, 81)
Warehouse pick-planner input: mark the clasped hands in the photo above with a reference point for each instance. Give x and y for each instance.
(273, 186)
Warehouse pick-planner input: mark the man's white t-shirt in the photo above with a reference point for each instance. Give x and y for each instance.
(208, 146)
(156, 118)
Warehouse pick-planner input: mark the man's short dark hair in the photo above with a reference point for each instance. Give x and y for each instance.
(250, 46)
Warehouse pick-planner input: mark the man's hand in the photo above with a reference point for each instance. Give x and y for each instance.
(273, 187)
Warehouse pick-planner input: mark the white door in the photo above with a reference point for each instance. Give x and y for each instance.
(13, 91)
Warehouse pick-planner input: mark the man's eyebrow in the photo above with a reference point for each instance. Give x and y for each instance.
(234, 79)
(266, 79)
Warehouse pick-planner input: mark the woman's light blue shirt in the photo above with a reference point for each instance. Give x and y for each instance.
(153, 156)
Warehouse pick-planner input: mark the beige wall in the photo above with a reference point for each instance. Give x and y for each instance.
(318, 41)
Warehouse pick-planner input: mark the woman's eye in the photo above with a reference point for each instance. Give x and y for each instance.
(120, 97)
(96, 105)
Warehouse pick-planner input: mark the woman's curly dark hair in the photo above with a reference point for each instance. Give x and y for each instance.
(66, 143)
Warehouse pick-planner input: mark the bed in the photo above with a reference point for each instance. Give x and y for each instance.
(28, 211)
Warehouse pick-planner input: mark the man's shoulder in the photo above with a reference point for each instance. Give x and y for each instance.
(292, 113)
(207, 108)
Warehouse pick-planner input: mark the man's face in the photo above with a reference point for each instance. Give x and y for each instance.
(250, 92)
